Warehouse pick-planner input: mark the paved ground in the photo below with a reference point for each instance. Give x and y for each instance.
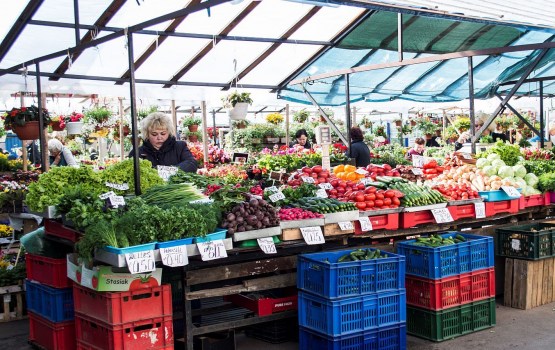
(516, 329)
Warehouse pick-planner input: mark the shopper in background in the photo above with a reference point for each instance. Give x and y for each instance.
(60, 155)
(431, 141)
(499, 134)
(417, 149)
(301, 139)
(359, 150)
(160, 146)
(461, 140)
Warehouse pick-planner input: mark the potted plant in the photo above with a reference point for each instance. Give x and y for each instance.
(301, 116)
(98, 115)
(194, 136)
(237, 104)
(274, 118)
(398, 122)
(58, 123)
(365, 121)
(426, 126)
(24, 122)
(74, 123)
(240, 124)
(462, 124)
(191, 122)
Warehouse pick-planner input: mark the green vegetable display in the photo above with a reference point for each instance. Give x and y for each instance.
(293, 194)
(539, 166)
(546, 182)
(362, 254)
(200, 181)
(417, 195)
(122, 173)
(510, 154)
(170, 195)
(436, 240)
(323, 205)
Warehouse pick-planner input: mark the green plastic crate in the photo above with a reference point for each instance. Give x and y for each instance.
(530, 242)
(450, 323)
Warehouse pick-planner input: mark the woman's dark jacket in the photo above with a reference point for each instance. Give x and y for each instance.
(360, 151)
(172, 153)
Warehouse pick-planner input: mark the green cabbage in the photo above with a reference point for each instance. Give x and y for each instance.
(531, 179)
(490, 170)
(493, 157)
(482, 162)
(519, 170)
(505, 171)
(498, 163)
(521, 183)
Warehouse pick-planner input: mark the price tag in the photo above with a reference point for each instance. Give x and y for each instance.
(418, 161)
(141, 262)
(366, 181)
(267, 245)
(174, 256)
(321, 193)
(277, 196)
(255, 196)
(480, 209)
(326, 186)
(107, 195)
(122, 187)
(202, 201)
(166, 171)
(7, 298)
(345, 225)
(442, 215)
(466, 155)
(308, 179)
(117, 201)
(515, 244)
(212, 250)
(417, 171)
(361, 171)
(313, 235)
(365, 224)
(271, 189)
(511, 191)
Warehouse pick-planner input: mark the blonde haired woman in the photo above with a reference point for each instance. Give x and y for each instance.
(160, 146)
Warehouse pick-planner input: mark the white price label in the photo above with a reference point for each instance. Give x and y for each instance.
(466, 155)
(117, 201)
(480, 209)
(313, 235)
(7, 298)
(271, 189)
(361, 171)
(418, 161)
(267, 245)
(174, 256)
(212, 250)
(166, 171)
(202, 201)
(511, 191)
(326, 186)
(107, 195)
(308, 179)
(365, 224)
(321, 193)
(277, 196)
(417, 171)
(442, 215)
(515, 244)
(346, 225)
(140, 262)
(122, 187)
(366, 181)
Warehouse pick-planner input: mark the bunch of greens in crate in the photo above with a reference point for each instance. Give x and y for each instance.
(170, 195)
(227, 196)
(539, 166)
(510, 154)
(198, 180)
(293, 194)
(546, 182)
(84, 208)
(122, 173)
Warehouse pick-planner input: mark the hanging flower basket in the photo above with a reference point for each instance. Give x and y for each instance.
(56, 127)
(239, 112)
(74, 128)
(193, 128)
(29, 131)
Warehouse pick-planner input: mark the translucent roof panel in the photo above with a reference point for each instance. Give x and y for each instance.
(211, 23)
(133, 13)
(10, 12)
(62, 10)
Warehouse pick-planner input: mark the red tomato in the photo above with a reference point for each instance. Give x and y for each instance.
(334, 182)
(350, 183)
(387, 167)
(387, 201)
(325, 174)
(306, 169)
(317, 169)
(368, 197)
(380, 196)
(396, 201)
(343, 183)
(340, 190)
(378, 203)
(361, 186)
(370, 204)
(333, 192)
(359, 197)
(360, 205)
(389, 194)
(321, 180)
(372, 196)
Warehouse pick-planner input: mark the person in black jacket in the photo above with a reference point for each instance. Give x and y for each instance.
(160, 146)
(301, 139)
(359, 150)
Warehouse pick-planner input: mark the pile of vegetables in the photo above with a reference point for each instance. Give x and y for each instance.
(166, 196)
(436, 240)
(254, 214)
(415, 195)
(516, 175)
(323, 205)
(316, 172)
(509, 154)
(293, 193)
(406, 173)
(546, 182)
(362, 254)
(455, 192)
(286, 214)
(198, 180)
(469, 175)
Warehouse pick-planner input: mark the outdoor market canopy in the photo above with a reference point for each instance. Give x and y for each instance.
(265, 44)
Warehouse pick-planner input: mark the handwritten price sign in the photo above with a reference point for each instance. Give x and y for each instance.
(107, 195)
(480, 209)
(122, 187)
(313, 235)
(141, 262)
(442, 215)
(325, 186)
(277, 196)
(212, 250)
(361, 171)
(308, 179)
(365, 224)
(321, 193)
(345, 225)
(366, 181)
(511, 191)
(267, 245)
(271, 189)
(418, 161)
(174, 256)
(417, 171)
(166, 171)
(117, 201)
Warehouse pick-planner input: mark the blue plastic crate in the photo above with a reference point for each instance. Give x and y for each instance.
(496, 196)
(54, 304)
(385, 338)
(351, 315)
(474, 254)
(220, 233)
(132, 249)
(175, 243)
(321, 274)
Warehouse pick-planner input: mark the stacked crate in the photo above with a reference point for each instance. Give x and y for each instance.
(451, 288)
(351, 304)
(136, 319)
(49, 303)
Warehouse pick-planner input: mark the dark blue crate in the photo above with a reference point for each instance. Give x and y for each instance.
(351, 315)
(321, 274)
(474, 254)
(385, 338)
(54, 304)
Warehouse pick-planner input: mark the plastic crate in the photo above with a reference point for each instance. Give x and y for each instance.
(474, 254)
(535, 200)
(496, 196)
(84, 346)
(380, 222)
(384, 338)
(502, 207)
(414, 218)
(530, 242)
(351, 315)
(155, 333)
(56, 305)
(266, 303)
(57, 229)
(321, 274)
(451, 323)
(451, 291)
(123, 307)
(49, 271)
(462, 211)
(51, 336)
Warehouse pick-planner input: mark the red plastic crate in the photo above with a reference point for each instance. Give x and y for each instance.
(462, 211)
(56, 228)
(501, 207)
(265, 306)
(416, 218)
(49, 271)
(84, 346)
(380, 222)
(154, 333)
(449, 292)
(123, 307)
(50, 335)
(535, 200)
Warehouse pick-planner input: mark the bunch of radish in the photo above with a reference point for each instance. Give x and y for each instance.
(297, 214)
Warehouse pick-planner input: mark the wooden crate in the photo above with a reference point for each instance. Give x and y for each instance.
(335, 230)
(291, 234)
(12, 298)
(528, 283)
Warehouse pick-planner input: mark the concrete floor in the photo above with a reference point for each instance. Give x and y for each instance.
(516, 329)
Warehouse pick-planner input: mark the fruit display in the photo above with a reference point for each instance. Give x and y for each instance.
(348, 172)
(415, 196)
(286, 214)
(324, 205)
(362, 254)
(252, 215)
(381, 170)
(316, 172)
(435, 241)
(456, 192)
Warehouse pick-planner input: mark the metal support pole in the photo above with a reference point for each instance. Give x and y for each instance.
(214, 125)
(348, 110)
(471, 102)
(23, 148)
(174, 117)
(524, 120)
(76, 20)
(42, 140)
(400, 35)
(204, 132)
(134, 123)
(287, 136)
(324, 115)
(542, 124)
(121, 136)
